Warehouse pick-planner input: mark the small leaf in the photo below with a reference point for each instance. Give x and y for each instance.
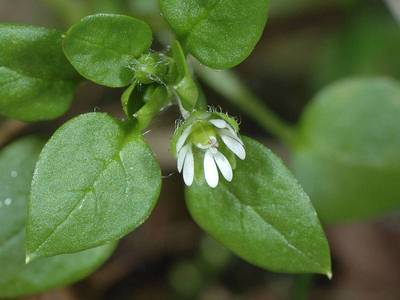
(36, 80)
(17, 279)
(185, 86)
(102, 47)
(96, 180)
(347, 156)
(219, 33)
(263, 215)
(132, 99)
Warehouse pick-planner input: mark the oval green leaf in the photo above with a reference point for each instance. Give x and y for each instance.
(347, 156)
(102, 47)
(36, 80)
(95, 181)
(219, 33)
(17, 279)
(263, 215)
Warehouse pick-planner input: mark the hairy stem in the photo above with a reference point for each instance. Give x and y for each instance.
(232, 88)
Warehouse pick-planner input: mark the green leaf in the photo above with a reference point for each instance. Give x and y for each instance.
(263, 215)
(36, 80)
(219, 33)
(102, 47)
(96, 180)
(17, 279)
(347, 156)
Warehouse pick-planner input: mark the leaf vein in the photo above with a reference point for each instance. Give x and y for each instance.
(279, 233)
(201, 18)
(96, 45)
(86, 193)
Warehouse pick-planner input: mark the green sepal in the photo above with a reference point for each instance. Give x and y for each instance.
(154, 67)
(198, 116)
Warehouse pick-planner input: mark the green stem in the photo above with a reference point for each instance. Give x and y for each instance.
(231, 87)
(302, 286)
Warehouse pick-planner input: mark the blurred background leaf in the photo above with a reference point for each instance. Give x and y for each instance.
(347, 155)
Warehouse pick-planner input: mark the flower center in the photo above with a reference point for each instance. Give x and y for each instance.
(204, 135)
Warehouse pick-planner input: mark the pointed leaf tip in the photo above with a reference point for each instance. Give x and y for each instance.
(263, 215)
(329, 275)
(28, 259)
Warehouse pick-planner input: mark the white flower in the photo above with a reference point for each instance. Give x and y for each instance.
(209, 144)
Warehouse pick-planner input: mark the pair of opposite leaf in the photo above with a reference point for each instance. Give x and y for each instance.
(120, 183)
(84, 206)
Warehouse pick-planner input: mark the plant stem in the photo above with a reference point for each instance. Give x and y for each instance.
(301, 287)
(230, 86)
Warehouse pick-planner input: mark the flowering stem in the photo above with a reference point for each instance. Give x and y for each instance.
(230, 86)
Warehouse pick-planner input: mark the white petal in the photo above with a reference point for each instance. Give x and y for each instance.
(182, 139)
(181, 157)
(219, 123)
(224, 166)
(188, 168)
(210, 170)
(222, 124)
(231, 134)
(234, 146)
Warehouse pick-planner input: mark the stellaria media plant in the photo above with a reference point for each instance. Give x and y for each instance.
(96, 179)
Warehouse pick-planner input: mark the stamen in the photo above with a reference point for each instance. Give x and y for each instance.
(213, 142)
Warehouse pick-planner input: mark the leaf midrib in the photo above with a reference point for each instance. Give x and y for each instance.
(279, 233)
(102, 47)
(80, 201)
(114, 159)
(200, 19)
